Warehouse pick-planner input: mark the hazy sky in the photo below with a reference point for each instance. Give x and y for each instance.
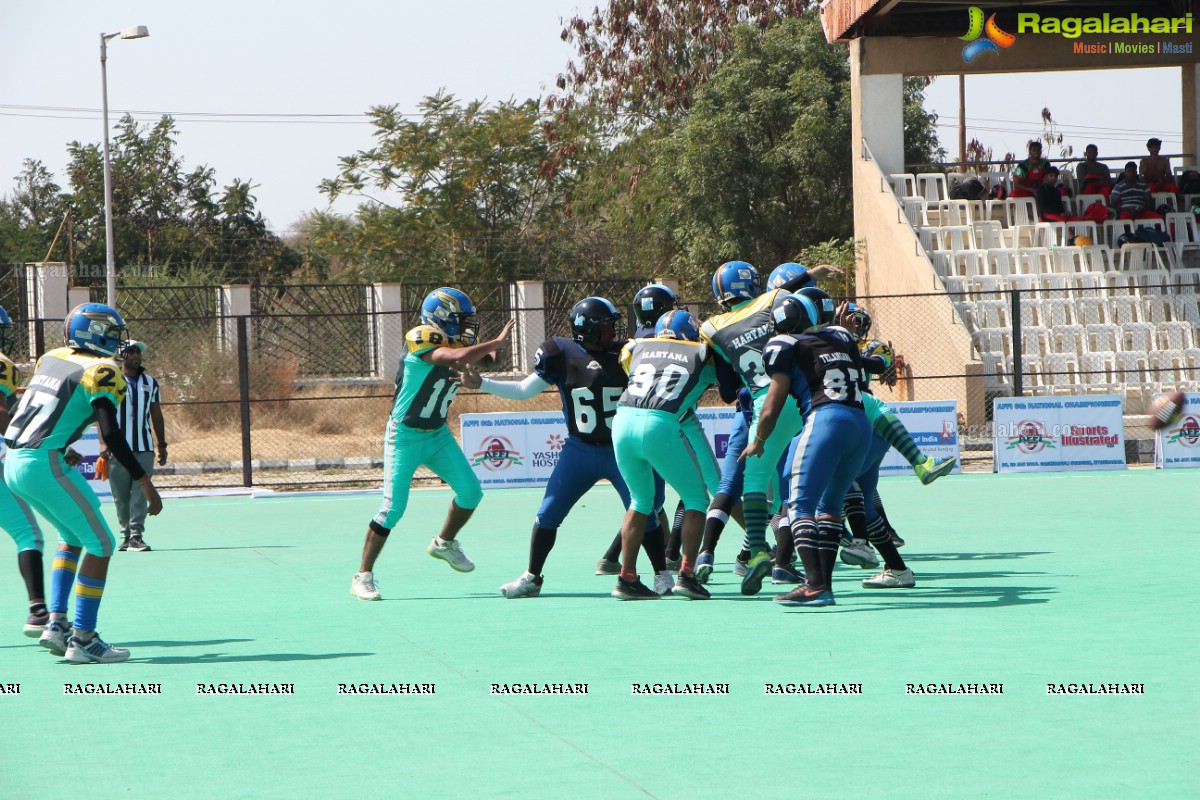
(208, 61)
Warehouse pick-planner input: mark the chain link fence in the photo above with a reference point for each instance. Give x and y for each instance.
(298, 391)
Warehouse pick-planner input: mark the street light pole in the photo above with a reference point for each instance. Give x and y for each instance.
(110, 271)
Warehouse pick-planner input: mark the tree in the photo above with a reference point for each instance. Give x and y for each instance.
(452, 192)
(33, 215)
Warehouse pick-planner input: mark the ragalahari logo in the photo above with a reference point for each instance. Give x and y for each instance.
(1031, 438)
(994, 40)
(1187, 433)
(497, 453)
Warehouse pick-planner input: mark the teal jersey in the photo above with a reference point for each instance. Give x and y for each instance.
(424, 391)
(10, 376)
(739, 336)
(57, 404)
(666, 374)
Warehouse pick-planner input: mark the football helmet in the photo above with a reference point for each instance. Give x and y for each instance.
(651, 302)
(796, 313)
(826, 311)
(677, 324)
(6, 325)
(857, 321)
(784, 273)
(596, 321)
(95, 328)
(735, 282)
(451, 312)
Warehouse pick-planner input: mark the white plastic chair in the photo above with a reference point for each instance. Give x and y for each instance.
(903, 184)
(1176, 336)
(1098, 368)
(1003, 261)
(1091, 311)
(1185, 234)
(1103, 337)
(1062, 373)
(1114, 228)
(915, 212)
(1124, 310)
(1082, 228)
(1138, 337)
(1069, 339)
(1058, 311)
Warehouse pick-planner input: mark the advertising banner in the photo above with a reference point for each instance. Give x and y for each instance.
(88, 446)
(1058, 434)
(1178, 445)
(933, 425)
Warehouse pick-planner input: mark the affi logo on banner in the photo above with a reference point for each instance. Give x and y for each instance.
(1187, 433)
(497, 454)
(996, 38)
(1031, 438)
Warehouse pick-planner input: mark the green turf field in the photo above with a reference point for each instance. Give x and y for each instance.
(1022, 580)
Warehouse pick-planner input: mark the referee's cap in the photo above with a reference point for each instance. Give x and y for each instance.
(133, 344)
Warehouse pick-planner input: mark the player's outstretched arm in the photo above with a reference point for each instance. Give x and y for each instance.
(454, 356)
(531, 386)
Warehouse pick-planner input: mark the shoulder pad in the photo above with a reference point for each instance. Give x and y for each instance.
(425, 337)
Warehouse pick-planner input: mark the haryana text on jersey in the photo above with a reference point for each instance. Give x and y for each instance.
(590, 384)
(666, 374)
(739, 337)
(424, 391)
(824, 367)
(57, 404)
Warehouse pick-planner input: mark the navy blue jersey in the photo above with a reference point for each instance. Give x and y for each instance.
(824, 368)
(589, 383)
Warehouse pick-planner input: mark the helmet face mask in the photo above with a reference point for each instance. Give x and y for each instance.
(735, 282)
(596, 322)
(95, 328)
(858, 322)
(651, 302)
(453, 313)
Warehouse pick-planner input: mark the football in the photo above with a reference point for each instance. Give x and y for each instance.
(1166, 409)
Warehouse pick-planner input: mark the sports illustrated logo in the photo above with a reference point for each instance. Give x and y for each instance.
(1187, 433)
(976, 27)
(1031, 438)
(555, 442)
(497, 454)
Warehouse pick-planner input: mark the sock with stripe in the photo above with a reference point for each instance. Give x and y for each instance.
(877, 532)
(88, 592)
(829, 531)
(62, 575)
(784, 547)
(882, 514)
(894, 433)
(804, 538)
(715, 521)
(675, 542)
(757, 513)
(856, 512)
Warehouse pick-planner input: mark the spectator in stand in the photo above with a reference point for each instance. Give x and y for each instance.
(1049, 199)
(1092, 176)
(1131, 197)
(1156, 169)
(1027, 175)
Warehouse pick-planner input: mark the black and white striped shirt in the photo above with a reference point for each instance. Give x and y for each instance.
(134, 413)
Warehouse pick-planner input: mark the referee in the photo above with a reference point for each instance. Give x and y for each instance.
(138, 411)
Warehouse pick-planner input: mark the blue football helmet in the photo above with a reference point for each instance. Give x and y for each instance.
(596, 321)
(451, 312)
(784, 273)
(651, 302)
(677, 324)
(796, 314)
(95, 328)
(826, 310)
(735, 282)
(6, 325)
